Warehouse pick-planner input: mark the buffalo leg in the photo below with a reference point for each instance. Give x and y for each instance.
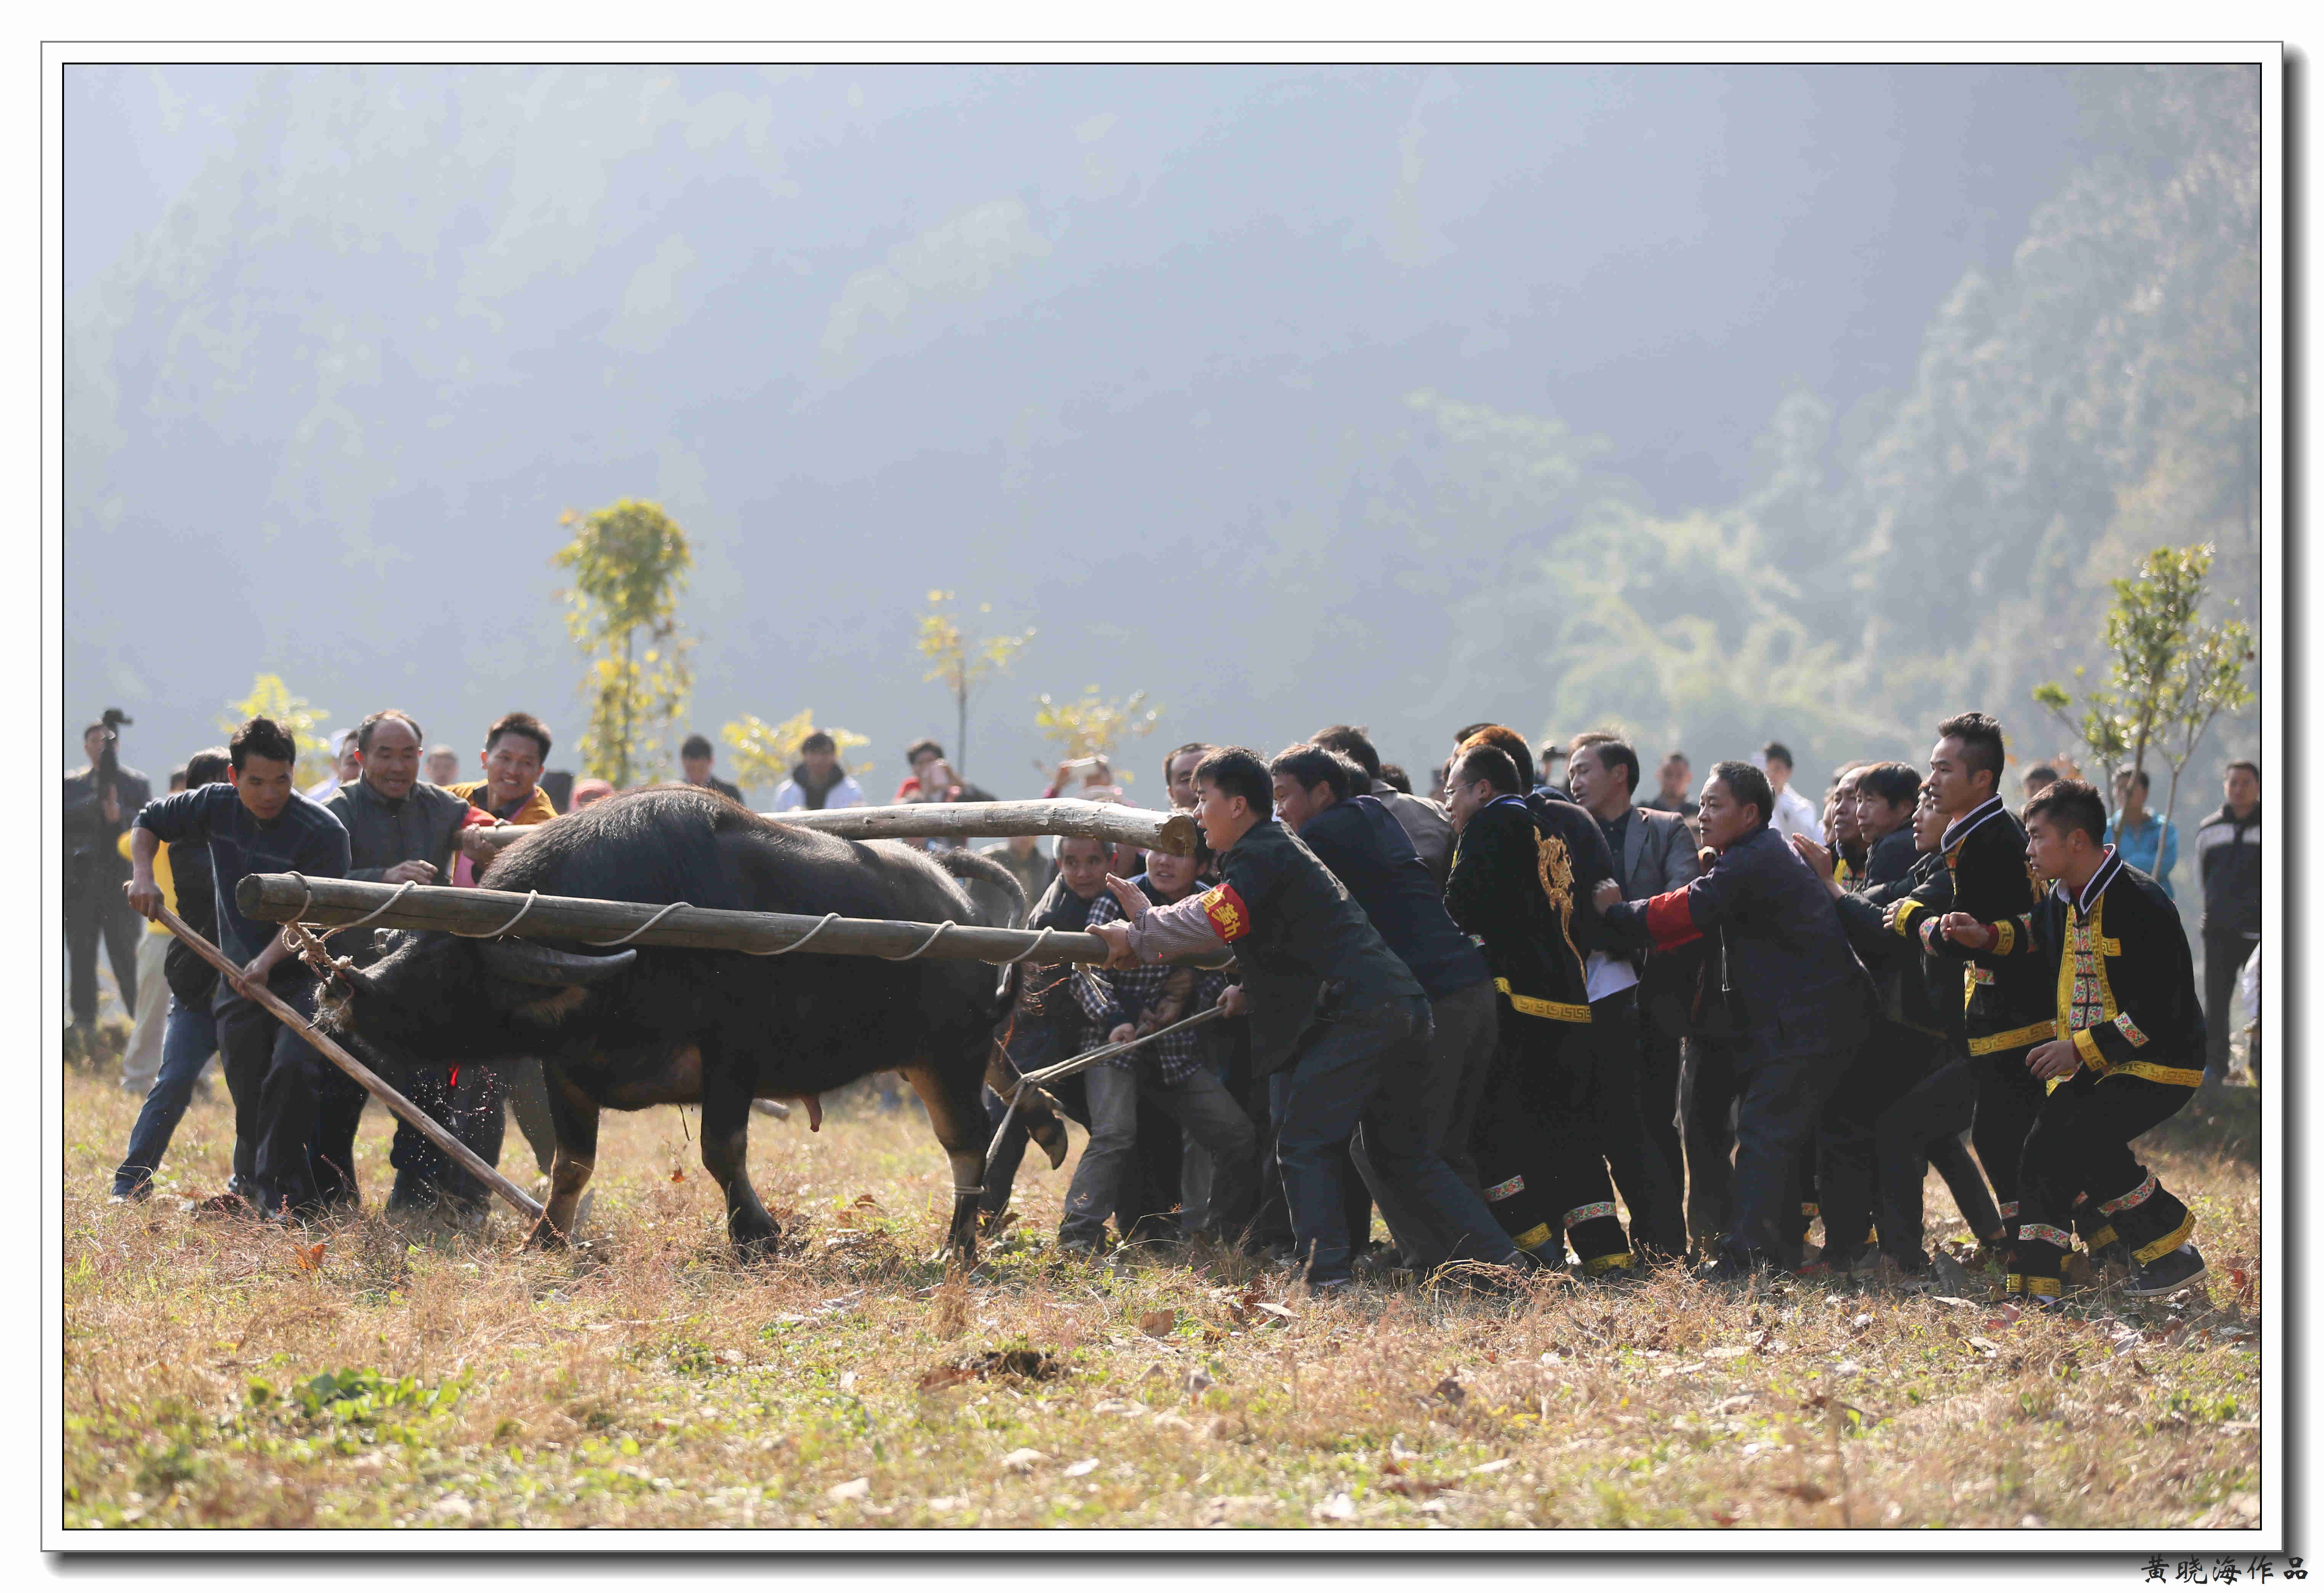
(956, 1111)
(728, 1083)
(575, 1117)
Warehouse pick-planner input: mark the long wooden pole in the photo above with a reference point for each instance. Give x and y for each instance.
(389, 1096)
(463, 910)
(1173, 833)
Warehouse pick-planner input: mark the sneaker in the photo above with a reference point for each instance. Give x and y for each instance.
(125, 1192)
(2165, 1275)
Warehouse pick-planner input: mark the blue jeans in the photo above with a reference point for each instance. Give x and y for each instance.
(189, 1040)
(1368, 1067)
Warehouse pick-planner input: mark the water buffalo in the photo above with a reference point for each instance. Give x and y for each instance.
(654, 1026)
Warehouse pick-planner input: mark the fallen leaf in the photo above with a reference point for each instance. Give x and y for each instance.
(866, 1202)
(1022, 1460)
(1806, 1492)
(310, 1257)
(1082, 1468)
(1157, 1324)
(1491, 1466)
(1984, 1346)
(1450, 1390)
(1272, 1309)
(854, 1489)
(677, 1175)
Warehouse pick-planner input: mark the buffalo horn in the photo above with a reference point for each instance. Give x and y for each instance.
(527, 963)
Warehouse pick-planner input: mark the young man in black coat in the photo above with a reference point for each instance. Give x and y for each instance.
(2127, 1054)
(1801, 1000)
(1985, 875)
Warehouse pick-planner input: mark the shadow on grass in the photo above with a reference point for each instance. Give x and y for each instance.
(2221, 1124)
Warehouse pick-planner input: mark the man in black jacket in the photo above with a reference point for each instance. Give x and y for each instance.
(1801, 1001)
(1986, 875)
(1321, 796)
(2227, 862)
(1518, 871)
(1339, 1027)
(2108, 940)
(96, 812)
(189, 1035)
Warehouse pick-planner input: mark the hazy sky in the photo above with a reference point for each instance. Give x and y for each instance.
(1086, 343)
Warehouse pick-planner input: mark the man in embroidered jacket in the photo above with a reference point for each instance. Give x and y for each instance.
(1986, 877)
(1339, 1027)
(1514, 886)
(2128, 1052)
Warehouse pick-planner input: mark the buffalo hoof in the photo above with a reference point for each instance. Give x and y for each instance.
(544, 1237)
(757, 1245)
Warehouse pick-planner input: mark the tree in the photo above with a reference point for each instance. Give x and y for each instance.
(628, 564)
(962, 662)
(2209, 681)
(1096, 725)
(2151, 632)
(269, 698)
(764, 754)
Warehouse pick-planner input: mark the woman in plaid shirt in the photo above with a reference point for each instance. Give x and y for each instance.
(1171, 1074)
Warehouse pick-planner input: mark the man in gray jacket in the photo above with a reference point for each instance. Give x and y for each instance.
(1425, 824)
(398, 829)
(1654, 853)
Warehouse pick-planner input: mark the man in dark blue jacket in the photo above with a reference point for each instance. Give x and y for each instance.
(1801, 1001)
(1323, 797)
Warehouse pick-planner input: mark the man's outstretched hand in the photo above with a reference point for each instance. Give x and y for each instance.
(1132, 899)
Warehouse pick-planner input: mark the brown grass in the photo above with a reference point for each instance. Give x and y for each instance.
(650, 1381)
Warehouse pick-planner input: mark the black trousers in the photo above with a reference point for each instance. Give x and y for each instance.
(2224, 957)
(1538, 1152)
(470, 1105)
(1661, 1061)
(2081, 1144)
(95, 908)
(275, 1077)
(1920, 1130)
(1650, 1186)
(1779, 1102)
(2008, 1099)
(1707, 1096)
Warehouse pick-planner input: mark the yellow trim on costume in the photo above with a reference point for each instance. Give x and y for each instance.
(2005, 938)
(1534, 1007)
(2168, 1242)
(2102, 1238)
(2045, 1286)
(1539, 1234)
(1606, 1263)
(2187, 1078)
(1905, 909)
(2015, 1284)
(2086, 1046)
(2030, 1034)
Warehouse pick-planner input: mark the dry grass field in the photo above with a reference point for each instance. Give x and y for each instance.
(411, 1376)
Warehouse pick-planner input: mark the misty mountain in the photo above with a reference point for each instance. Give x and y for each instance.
(1726, 402)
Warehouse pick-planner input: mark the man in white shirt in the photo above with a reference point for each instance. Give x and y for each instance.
(819, 782)
(1794, 814)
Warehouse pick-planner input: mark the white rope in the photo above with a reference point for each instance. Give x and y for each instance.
(385, 907)
(785, 951)
(934, 936)
(1046, 932)
(531, 897)
(642, 928)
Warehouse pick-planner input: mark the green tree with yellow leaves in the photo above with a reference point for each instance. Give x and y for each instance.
(962, 662)
(629, 563)
(269, 698)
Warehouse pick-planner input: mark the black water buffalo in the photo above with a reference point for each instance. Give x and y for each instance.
(653, 1026)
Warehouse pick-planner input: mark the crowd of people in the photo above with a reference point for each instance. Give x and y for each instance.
(1538, 1019)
